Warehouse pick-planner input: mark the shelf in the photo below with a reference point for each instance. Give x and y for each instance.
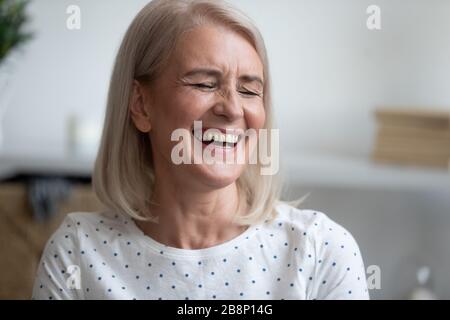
(45, 161)
(342, 171)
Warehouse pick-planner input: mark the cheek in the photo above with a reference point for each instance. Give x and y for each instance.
(255, 115)
(185, 107)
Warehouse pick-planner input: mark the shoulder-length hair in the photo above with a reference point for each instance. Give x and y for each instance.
(123, 177)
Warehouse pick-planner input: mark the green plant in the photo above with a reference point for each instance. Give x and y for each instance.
(12, 21)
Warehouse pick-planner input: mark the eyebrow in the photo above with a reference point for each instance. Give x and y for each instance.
(217, 73)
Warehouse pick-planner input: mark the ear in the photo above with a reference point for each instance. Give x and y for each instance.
(139, 107)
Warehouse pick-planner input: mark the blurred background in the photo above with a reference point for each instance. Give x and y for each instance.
(364, 117)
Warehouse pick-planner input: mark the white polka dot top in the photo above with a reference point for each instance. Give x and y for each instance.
(301, 254)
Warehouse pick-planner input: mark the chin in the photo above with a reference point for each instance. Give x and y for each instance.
(218, 176)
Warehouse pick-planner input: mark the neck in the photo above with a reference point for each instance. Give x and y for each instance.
(190, 219)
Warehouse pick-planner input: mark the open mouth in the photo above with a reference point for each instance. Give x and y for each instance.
(217, 137)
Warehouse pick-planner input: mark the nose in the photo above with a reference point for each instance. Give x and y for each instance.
(229, 106)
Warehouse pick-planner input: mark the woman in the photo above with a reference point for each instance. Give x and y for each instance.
(199, 230)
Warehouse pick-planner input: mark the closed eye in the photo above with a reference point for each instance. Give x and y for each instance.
(204, 85)
(250, 93)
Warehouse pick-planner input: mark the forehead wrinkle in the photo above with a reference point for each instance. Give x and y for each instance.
(191, 60)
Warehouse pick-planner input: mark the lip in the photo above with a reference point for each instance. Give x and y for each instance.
(235, 131)
(238, 132)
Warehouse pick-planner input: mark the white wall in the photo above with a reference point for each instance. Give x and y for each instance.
(328, 70)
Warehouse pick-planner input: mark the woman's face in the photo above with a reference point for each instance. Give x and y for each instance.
(214, 76)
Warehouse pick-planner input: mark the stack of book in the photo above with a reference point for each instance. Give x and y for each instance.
(419, 137)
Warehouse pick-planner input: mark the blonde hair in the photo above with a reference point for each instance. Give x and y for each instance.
(123, 177)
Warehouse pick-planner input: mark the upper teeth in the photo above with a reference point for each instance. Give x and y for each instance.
(216, 136)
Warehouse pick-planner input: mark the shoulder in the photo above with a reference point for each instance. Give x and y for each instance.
(323, 232)
(339, 268)
(78, 232)
(87, 227)
(314, 222)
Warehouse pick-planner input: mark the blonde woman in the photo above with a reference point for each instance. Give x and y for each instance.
(193, 231)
